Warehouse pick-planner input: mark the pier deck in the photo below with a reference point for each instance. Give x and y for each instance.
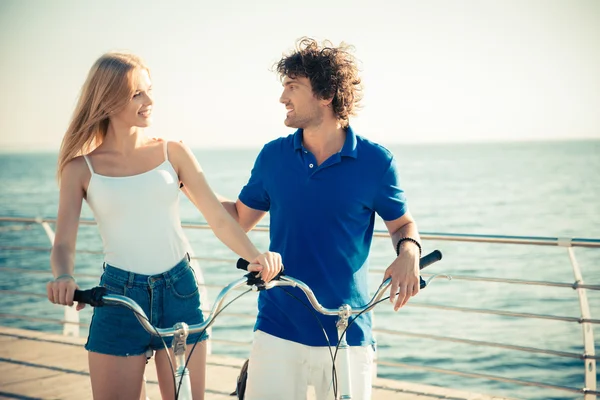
(41, 365)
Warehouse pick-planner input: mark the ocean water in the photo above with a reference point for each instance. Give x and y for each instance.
(527, 189)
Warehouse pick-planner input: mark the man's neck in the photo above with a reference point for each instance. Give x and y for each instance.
(324, 140)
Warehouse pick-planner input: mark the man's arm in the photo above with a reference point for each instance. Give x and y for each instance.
(230, 207)
(245, 216)
(404, 270)
(402, 227)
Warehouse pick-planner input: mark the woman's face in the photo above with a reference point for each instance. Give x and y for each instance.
(138, 112)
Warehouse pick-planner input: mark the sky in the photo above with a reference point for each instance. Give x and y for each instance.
(434, 71)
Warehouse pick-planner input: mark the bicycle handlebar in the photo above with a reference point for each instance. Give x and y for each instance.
(98, 297)
(283, 280)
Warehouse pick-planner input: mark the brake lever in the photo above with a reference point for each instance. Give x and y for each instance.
(256, 281)
(431, 278)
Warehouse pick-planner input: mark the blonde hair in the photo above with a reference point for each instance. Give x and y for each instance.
(108, 88)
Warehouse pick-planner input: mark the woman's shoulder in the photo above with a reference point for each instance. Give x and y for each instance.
(177, 147)
(169, 144)
(77, 168)
(76, 163)
(156, 141)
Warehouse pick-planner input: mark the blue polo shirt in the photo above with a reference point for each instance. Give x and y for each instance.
(322, 220)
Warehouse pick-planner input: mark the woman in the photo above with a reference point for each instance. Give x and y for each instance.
(132, 185)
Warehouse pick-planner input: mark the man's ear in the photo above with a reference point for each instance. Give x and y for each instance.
(326, 102)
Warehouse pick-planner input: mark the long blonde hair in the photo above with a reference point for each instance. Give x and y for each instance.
(108, 88)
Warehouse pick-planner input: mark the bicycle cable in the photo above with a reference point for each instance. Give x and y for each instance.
(166, 348)
(196, 342)
(314, 313)
(351, 320)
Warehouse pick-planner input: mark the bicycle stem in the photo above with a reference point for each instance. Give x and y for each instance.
(344, 313)
(182, 374)
(179, 339)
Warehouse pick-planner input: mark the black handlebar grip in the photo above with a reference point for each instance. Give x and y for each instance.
(252, 278)
(242, 264)
(430, 258)
(93, 297)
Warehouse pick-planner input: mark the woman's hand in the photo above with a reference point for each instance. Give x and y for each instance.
(61, 291)
(268, 264)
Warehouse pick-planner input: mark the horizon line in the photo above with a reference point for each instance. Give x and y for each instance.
(46, 149)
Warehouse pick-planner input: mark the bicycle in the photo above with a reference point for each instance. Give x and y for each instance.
(97, 297)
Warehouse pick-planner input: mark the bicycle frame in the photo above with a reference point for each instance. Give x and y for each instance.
(344, 312)
(180, 331)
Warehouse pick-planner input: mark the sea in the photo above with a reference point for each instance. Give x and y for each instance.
(546, 189)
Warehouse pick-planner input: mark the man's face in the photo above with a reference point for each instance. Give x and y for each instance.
(303, 108)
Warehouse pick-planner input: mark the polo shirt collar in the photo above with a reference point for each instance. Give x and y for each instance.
(348, 150)
(298, 140)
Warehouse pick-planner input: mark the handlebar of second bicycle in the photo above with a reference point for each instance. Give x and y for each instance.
(282, 280)
(425, 261)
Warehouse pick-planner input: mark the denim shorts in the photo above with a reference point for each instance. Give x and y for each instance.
(166, 299)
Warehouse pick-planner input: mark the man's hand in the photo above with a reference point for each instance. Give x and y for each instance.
(404, 272)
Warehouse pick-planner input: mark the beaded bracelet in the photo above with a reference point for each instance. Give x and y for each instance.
(408, 239)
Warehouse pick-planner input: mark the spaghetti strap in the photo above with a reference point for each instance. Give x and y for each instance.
(166, 153)
(89, 164)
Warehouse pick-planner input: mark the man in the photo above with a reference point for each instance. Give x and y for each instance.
(322, 186)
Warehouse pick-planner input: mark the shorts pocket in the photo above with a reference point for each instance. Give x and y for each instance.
(113, 286)
(185, 285)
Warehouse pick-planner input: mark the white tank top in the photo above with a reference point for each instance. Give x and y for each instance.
(138, 218)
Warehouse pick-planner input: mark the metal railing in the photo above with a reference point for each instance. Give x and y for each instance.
(71, 322)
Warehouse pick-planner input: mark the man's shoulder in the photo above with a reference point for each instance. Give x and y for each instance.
(372, 150)
(275, 146)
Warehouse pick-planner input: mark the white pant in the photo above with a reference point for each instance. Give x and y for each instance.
(281, 369)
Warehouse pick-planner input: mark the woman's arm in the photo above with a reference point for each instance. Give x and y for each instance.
(62, 257)
(221, 222)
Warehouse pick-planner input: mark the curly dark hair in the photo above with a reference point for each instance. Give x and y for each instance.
(332, 72)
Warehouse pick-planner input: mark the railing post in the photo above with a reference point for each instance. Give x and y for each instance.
(588, 332)
(204, 301)
(71, 316)
(376, 352)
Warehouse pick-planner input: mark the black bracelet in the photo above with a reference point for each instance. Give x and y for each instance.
(408, 239)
